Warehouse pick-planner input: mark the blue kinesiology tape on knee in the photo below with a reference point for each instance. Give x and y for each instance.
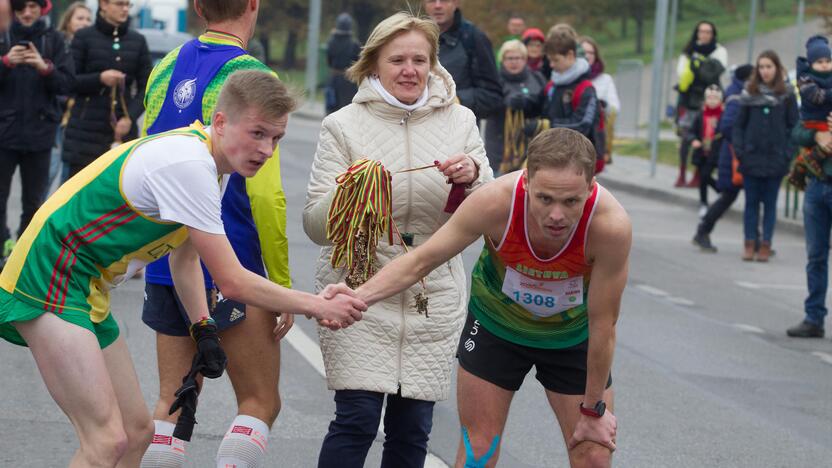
(470, 460)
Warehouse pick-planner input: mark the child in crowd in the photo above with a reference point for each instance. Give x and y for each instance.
(814, 77)
(706, 144)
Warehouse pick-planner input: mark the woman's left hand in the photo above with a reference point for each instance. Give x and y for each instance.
(460, 169)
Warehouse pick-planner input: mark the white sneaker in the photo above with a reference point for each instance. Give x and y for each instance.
(703, 210)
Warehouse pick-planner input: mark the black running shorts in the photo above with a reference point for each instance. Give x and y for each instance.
(163, 312)
(506, 364)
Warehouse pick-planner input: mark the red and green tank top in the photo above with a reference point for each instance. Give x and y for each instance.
(81, 241)
(528, 300)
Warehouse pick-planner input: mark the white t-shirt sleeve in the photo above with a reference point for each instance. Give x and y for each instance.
(189, 193)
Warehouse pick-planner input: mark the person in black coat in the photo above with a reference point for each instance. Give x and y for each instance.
(466, 53)
(342, 51)
(112, 64)
(522, 91)
(761, 139)
(35, 69)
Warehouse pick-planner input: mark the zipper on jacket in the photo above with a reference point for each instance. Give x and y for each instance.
(403, 304)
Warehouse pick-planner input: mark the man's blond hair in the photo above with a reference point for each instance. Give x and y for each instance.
(385, 32)
(559, 148)
(254, 89)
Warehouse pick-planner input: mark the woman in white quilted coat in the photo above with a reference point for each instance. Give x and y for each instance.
(405, 115)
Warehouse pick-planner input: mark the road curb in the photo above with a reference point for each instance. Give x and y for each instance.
(669, 196)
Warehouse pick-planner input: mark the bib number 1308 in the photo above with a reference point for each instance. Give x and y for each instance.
(534, 299)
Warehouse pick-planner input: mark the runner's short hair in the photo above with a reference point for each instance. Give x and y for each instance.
(385, 32)
(559, 148)
(256, 89)
(214, 11)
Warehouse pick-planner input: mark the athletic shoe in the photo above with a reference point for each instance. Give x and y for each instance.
(805, 330)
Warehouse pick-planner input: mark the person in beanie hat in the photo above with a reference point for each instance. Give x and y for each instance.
(34, 70)
(814, 79)
(533, 38)
(341, 51)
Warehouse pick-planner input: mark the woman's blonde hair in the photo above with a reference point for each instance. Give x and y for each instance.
(63, 24)
(385, 32)
(514, 45)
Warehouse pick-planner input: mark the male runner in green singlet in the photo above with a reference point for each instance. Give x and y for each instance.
(132, 205)
(546, 292)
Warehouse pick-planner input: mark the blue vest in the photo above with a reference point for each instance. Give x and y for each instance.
(196, 66)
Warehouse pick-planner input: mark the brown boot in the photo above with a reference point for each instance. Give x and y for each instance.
(748, 253)
(765, 251)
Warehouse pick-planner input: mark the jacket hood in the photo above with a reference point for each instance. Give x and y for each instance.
(441, 93)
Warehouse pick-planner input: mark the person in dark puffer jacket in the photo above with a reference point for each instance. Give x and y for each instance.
(761, 139)
(34, 70)
(522, 91)
(107, 55)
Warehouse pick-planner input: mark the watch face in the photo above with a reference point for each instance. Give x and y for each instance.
(600, 407)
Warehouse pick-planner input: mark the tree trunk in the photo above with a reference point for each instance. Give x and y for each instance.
(290, 52)
(267, 49)
(639, 18)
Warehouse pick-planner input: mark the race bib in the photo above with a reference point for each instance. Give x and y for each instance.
(543, 298)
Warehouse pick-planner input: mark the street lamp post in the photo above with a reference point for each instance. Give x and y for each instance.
(312, 45)
(656, 87)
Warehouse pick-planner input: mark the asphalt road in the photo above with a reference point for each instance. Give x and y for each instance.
(704, 373)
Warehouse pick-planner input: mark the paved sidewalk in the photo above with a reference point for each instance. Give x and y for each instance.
(632, 174)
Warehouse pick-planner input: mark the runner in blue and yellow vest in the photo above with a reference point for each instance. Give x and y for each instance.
(182, 88)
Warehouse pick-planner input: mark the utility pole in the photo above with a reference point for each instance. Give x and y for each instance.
(656, 86)
(752, 25)
(312, 45)
(671, 45)
(801, 14)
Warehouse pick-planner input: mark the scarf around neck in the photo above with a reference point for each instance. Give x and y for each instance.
(390, 99)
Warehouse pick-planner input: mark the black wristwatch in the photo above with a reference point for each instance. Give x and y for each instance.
(596, 411)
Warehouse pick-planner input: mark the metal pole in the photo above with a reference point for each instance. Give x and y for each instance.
(752, 25)
(312, 38)
(671, 49)
(801, 15)
(656, 85)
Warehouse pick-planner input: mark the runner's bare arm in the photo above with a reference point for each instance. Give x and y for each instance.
(472, 219)
(239, 284)
(609, 242)
(189, 281)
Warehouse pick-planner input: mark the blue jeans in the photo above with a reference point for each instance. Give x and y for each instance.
(760, 190)
(407, 425)
(817, 223)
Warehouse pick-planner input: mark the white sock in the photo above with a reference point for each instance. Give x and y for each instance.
(166, 451)
(244, 445)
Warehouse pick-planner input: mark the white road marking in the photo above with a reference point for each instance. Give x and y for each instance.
(652, 291)
(681, 301)
(309, 349)
(825, 357)
(785, 287)
(749, 328)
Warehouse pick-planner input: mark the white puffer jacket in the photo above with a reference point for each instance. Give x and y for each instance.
(394, 346)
